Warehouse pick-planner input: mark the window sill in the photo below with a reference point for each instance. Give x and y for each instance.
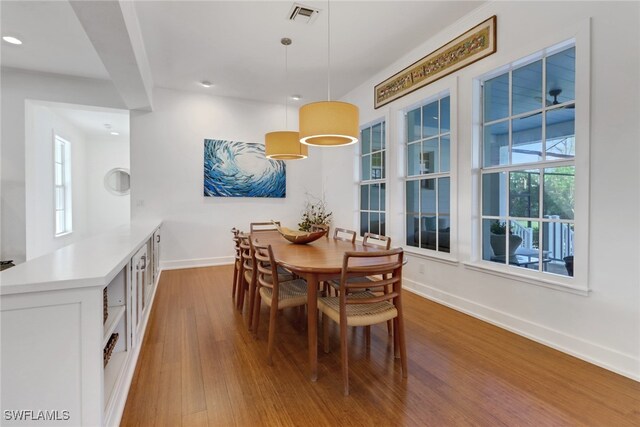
(65, 234)
(435, 256)
(508, 273)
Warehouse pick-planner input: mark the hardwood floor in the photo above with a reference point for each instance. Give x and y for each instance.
(199, 366)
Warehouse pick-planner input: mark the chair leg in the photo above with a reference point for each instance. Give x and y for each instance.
(387, 290)
(235, 280)
(403, 345)
(344, 353)
(396, 338)
(241, 292)
(272, 331)
(367, 335)
(240, 284)
(252, 297)
(256, 314)
(325, 332)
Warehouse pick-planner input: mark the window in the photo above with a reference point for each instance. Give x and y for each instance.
(62, 186)
(528, 165)
(428, 177)
(373, 175)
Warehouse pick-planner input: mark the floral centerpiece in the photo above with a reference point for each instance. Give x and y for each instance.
(314, 213)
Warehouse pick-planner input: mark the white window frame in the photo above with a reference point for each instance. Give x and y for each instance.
(383, 180)
(579, 37)
(446, 87)
(63, 187)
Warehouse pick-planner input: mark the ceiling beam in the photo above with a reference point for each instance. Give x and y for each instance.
(114, 31)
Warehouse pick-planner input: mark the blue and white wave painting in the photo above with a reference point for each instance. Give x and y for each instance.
(240, 169)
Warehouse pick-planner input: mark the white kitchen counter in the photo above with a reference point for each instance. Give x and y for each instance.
(92, 262)
(64, 312)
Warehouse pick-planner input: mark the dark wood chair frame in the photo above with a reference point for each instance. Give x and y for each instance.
(351, 233)
(267, 277)
(237, 263)
(386, 274)
(248, 278)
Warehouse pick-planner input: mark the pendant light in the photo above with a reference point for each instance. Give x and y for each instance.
(329, 123)
(285, 145)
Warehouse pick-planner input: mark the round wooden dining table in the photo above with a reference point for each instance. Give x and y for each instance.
(315, 262)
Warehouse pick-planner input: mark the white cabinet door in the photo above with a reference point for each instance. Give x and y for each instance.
(156, 254)
(138, 267)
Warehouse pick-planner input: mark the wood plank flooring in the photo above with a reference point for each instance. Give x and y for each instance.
(200, 367)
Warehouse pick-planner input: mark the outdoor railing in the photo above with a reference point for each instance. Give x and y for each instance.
(558, 235)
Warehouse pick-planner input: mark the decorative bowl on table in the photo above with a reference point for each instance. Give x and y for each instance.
(300, 237)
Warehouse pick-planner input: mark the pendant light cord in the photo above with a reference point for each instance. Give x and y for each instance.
(328, 50)
(286, 80)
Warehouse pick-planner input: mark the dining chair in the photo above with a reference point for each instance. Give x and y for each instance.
(357, 307)
(247, 278)
(237, 261)
(376, 240)
(247, 289)
(344, 234)
(264, 226)
(275, 293)
(371, 241)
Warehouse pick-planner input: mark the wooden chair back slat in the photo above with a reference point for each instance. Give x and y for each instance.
(264, 226)
(344, 234)
(384, 274)
(236, 242)
(246, 252)
(376, 240)
(266, 266)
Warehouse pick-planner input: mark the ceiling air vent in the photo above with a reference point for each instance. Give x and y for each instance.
(302, 13)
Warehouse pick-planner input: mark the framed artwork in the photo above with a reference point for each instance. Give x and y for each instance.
(473, 45)
(240, 169)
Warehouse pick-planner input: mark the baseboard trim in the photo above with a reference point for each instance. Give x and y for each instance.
(194, 263)
(612, 360)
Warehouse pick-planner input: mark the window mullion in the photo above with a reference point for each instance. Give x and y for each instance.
(420, 214)
(510, 121)
(437, 185)
(544, 109)
(541, 215)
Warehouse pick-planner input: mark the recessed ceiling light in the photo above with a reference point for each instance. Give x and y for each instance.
(296, 97)
(12, 40)
(115, 133)
(206, 83)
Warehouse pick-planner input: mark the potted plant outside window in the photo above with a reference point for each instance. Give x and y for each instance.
(499, 242)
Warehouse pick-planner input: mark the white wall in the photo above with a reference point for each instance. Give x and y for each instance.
(17, 86)
(603, 327)
(106, 210)
(167, 173)
(42, 123)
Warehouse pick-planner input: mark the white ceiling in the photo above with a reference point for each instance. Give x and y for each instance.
(53, 39)
(236, 44)
(92, 120)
